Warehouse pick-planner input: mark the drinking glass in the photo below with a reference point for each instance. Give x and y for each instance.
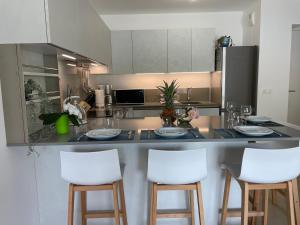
(118, 114)
(246, 110)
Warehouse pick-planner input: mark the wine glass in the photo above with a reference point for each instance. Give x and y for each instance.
(246, 110)
(229, 109)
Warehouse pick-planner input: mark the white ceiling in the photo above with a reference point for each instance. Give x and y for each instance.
(106, 7)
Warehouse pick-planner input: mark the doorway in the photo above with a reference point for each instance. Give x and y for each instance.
(294, 86)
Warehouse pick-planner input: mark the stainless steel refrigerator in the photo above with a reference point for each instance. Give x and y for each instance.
(238, 67)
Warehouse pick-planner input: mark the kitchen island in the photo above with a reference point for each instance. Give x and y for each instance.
(52, 190)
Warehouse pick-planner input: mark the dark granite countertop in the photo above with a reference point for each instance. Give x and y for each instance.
(206, 125)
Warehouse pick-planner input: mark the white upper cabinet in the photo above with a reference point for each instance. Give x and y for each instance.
(179, 50)
(161, 51)
(121, 43)
(22, 21)
(203, 49)
(70, 24)
(149, 51)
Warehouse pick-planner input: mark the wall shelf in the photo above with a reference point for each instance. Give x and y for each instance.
(40, 74)
(39, 100)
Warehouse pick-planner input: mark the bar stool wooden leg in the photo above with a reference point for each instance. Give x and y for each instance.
(266, 207)
(225, 198)
(296, 200)
(116, 204)
(274, 197)
(154, 208)
(71, 205)
(83, 207)
(192, 208)
(151, 204)
(123, 205)
(200, 204)
(245, 203)
(291, 212)
(256, 207)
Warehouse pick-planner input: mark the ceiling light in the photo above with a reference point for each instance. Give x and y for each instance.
(71, 64)
(68, 56)
(94, 64)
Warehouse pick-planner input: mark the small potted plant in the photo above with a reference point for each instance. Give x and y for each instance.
(62, 119)
(185, 118)
(168, 94)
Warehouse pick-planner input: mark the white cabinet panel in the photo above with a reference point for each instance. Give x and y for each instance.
(179, 50)
(149, 51)
(74, 25)
(22, 21)
(203, 49)
(121, 43)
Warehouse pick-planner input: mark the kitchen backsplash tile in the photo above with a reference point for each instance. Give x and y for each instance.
(198, 94)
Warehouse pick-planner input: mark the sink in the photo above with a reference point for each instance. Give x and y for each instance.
(191, 102)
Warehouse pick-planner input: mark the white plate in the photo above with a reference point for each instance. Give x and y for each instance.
(171, 132)
(253, 130)
(258, 119)
(103, 134)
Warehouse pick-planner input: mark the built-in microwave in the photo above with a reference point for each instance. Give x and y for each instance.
(133, 96)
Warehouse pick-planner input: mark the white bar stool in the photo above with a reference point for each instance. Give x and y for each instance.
(262, 170)
(93, 171)
(177, 170)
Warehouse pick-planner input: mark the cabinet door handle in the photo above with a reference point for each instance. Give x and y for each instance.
(292, 91)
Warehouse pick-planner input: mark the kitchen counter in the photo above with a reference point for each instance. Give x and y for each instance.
(134, 155)
(206, 125)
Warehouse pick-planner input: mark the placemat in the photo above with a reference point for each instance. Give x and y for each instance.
(231, 133)
(265, 124)
(150, 135)
(122, 137)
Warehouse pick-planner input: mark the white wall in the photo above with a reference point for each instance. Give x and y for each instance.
(251, 31)
(226, 23)
(277, 17)
(18, 191)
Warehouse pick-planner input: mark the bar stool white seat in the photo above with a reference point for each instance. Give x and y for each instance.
(93, 171)
(177, 170)
(262, 170)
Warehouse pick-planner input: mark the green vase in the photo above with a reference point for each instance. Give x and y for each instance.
(62, 125)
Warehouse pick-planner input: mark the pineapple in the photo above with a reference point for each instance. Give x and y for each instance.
(168, 93)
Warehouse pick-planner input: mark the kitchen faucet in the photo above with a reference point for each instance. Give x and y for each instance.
(189, 93)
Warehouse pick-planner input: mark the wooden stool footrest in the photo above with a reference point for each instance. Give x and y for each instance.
(238, 213)
(93, 214)
(173, 213)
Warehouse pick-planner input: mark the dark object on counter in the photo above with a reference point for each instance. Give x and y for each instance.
(224, 41)
(231, 133)
(265, 124)
(150, 135)
(89, 102)
(134, 96)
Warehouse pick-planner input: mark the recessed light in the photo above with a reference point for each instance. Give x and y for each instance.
(71, 64)
(68, 56)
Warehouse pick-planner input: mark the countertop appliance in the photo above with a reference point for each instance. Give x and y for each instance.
(239, 69)
(134, 96)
